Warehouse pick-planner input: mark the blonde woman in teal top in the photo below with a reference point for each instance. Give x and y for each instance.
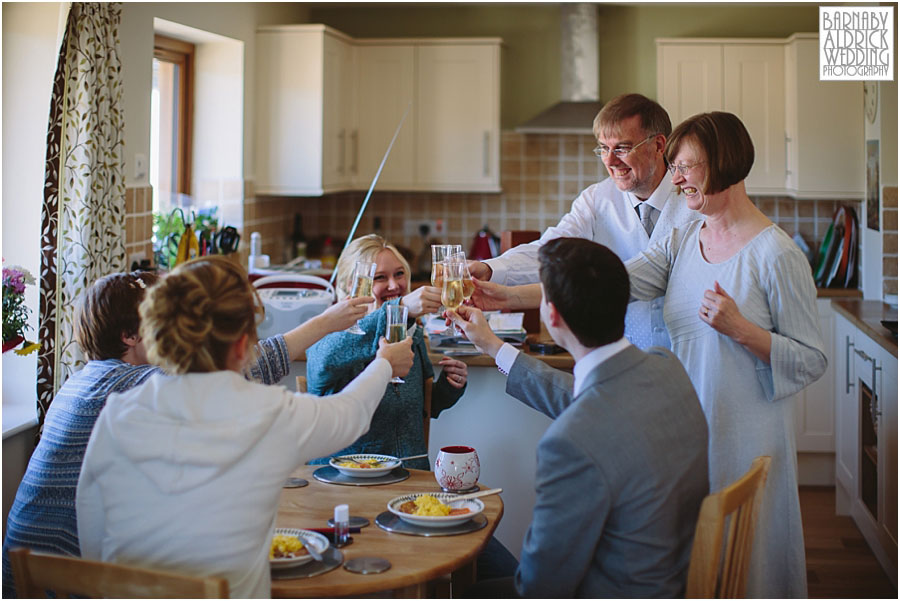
(397, 426)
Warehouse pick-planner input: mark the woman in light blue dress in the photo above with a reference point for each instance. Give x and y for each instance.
(741, 313)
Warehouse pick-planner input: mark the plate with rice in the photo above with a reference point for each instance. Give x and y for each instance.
(288, 547)
(434, 510)
(364, 466)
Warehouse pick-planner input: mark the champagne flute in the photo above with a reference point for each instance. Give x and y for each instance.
(396, 328)
(452, 293)
(468, 286)
(438, 255)
(363, 276)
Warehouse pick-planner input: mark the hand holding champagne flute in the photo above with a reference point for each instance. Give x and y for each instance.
(468, 286)
(363, 276)
(395, 316)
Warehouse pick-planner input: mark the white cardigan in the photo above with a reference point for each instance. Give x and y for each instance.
(184, 473)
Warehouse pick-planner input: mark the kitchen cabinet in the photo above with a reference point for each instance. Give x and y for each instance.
(825, 147)
(329, 105)
(458, 133)
(744, 77)
(451, 140)
(805, 145)
(305, 98)
(866, 471)
(386, 76)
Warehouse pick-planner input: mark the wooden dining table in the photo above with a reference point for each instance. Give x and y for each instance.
(419, 565)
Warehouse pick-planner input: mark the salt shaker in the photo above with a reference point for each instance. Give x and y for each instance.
(341, 525)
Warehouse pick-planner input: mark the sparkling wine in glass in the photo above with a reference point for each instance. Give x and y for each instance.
(452, 293)
(396, 316)
(438, 255)
(468, 286)
(363, 276)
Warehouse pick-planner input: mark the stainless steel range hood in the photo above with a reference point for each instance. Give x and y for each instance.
(579, 70)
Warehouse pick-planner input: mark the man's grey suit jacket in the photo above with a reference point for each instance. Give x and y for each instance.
(621, 474)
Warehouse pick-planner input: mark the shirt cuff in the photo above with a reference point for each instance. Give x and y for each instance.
(505, 358)
(498, 270)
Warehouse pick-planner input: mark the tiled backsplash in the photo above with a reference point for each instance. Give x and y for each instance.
(540, 175)
(138, 223)
(889, 239)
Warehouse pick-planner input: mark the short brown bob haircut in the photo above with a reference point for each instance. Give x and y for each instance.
(108, 311)
(588, 285)
(654, 118)
(724, 141)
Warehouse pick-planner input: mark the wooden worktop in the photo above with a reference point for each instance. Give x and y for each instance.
(867, 315)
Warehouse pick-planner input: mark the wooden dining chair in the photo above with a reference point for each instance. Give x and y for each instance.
(301, 383)
(37, 573)
(718, 569)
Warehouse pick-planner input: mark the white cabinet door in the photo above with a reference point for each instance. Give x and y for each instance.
(754, 91)
(689, 79)
(826, 154)
(290, 84)
(458, 118)
(386, 87)
(846, 409)
(815, 407)
(339, 115)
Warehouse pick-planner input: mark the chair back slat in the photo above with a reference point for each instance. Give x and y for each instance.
(719, 561)
(36, 573)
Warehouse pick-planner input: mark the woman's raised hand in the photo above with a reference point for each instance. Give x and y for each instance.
(344, 314)
(399, 355)
(422, 300)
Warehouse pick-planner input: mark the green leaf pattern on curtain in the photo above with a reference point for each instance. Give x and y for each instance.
(83, 213)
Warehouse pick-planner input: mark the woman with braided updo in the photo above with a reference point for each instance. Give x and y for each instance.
(184, 473)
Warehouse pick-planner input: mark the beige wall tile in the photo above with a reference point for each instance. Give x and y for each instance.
(889, 266)
(890, 244)
(890, 220)
(889, 196)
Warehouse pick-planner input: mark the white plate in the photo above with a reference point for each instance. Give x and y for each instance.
(388, 463)
(475, 506)
(308, 538)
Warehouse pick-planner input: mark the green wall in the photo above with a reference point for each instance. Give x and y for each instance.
(530, 57)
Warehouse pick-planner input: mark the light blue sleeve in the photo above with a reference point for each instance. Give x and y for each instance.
(648, 271)
(797, 358)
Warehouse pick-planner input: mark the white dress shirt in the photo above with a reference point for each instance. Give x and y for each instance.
(507, 355)
(606, 215)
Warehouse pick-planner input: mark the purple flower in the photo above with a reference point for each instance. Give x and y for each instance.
(14, 279)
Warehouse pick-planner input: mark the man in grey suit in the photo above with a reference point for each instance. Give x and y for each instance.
(622, 470)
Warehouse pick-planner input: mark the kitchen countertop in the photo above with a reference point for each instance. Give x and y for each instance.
(867, 316)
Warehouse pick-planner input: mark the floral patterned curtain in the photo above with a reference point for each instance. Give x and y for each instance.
(83, 214)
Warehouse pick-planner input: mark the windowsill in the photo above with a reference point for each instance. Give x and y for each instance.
(19, 393)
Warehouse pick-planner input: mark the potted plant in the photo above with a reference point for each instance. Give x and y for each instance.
(15, 313)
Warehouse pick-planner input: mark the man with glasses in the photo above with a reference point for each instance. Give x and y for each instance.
(634, 207)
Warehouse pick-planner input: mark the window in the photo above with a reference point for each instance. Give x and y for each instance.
(171, 122)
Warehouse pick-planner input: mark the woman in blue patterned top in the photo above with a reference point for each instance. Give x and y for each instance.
(42, 517)
(397, 426)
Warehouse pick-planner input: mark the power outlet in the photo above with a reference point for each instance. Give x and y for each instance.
(140, 166)
(435, 227)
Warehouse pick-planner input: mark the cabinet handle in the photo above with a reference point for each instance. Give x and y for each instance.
(487, 153)
(787, 156)
(354, 137)
(342, 138)
(848, 384)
